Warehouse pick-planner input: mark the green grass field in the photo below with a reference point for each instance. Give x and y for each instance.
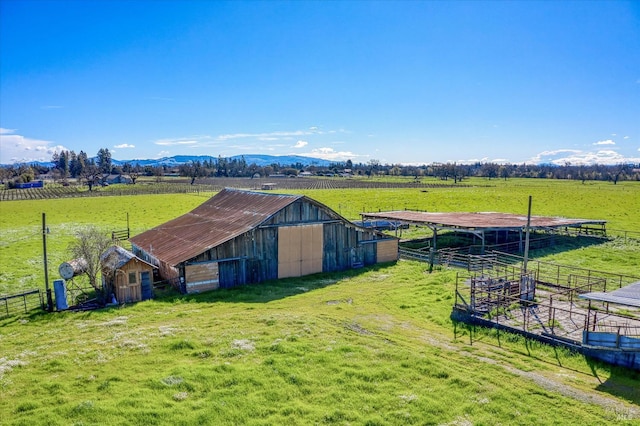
(372, 346)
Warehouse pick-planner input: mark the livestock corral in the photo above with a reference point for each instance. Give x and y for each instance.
(568, 306)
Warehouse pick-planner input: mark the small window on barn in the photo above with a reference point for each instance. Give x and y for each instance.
(132, 277)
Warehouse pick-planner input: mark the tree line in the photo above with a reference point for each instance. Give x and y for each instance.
(94, 171)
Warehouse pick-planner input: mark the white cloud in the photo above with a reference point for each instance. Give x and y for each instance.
(177, 141)
(124, 145)
(272, 135)
(301, 144)
(544, 156)
(222, 140)
(576, 157)
(162, 154)
(607, 142)
(19, 149)
(332, 155)
(626, 137)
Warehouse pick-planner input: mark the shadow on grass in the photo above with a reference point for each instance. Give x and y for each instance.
(567, 243)
(622, 382)
(541, 246)
(269, 290)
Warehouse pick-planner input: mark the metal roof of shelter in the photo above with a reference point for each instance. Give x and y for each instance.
(627, 296)
(479, 224)
(479, 221)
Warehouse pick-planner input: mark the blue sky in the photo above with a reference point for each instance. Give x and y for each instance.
(398, 82)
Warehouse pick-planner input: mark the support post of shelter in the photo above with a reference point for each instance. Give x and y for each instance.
(526, 243)
(435, 238)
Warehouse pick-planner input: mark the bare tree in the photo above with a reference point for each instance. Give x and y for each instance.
(92, 175)
(90, 244)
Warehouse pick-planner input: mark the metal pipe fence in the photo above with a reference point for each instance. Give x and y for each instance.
(14, 304)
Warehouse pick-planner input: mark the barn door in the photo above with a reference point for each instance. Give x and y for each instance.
(300, 250)
(145, 282)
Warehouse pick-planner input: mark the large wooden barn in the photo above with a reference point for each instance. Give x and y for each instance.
(240, 237)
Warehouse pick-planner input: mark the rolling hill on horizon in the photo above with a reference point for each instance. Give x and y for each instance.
(176, 160)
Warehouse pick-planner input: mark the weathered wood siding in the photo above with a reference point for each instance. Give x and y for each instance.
(126, 292)
(300, 211)
(344, 249)
(318, 239)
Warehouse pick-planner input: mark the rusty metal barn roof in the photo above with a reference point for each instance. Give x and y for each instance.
(224, 216)
(483, 220)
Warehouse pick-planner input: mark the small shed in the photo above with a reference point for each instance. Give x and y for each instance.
(130, 277)
(240, 237)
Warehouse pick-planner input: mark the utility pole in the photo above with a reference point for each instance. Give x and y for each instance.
(46, 267)
(526, 240)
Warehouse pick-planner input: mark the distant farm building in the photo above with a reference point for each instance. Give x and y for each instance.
(114, 179)
(32, 184)
(130, 277)
(240, 237)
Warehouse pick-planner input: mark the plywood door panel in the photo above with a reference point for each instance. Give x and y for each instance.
(202, 277)
(299, 250)
(387, 251)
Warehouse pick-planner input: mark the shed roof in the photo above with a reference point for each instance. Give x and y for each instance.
(482, 220)
(120, 257)
(226, 215)
(627, 296)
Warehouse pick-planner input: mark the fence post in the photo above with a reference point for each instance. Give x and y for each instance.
(24, 301)
(550, 312)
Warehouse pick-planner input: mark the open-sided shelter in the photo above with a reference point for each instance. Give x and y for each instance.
(483, 224)
(130, 277)
(239, 237)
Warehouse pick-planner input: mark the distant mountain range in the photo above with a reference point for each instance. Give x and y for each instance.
(257, 159)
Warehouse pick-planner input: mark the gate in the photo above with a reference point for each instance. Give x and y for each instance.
(19, 303)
